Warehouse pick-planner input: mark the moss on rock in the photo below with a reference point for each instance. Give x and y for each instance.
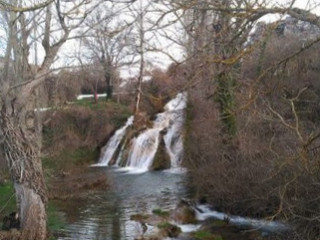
(184, 213)
(204, 235)
(161, 159)
(169, 230)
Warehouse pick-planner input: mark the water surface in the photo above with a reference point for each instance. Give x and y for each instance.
(106, 215)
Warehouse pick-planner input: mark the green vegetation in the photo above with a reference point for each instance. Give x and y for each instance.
(89, 102)
(169, 230)
(119, 120)
(226, 98)
(160, 212)
(204, 235)
(219, 223)
(70, 142)
(101, 104)
(7, 199)
(56, 218)
(163, 225)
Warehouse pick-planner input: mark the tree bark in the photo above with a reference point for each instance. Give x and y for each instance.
(23, 157)
(32, 212)
(141, 68)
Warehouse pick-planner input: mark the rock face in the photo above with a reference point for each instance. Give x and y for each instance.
(289, 27)
(292, 26)
(162, 159)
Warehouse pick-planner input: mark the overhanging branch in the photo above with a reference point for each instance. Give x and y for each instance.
(12, 8)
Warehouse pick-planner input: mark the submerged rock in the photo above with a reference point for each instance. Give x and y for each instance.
(224, 230)
(168, 230)
(184, 213)
(142, 218)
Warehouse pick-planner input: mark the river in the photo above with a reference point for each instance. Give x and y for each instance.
(106, 215)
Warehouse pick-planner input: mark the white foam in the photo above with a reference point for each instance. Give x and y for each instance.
(204, 212)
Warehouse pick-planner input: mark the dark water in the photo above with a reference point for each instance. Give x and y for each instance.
(107, 214)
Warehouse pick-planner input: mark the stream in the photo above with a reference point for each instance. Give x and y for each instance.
(106, 216)
(134, 189)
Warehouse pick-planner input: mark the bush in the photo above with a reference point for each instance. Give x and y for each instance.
(83, 126)
(270, 167)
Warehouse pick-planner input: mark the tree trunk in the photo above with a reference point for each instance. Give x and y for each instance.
(23, 157)
(109, 92)
(138, 100)
(109, 89)
(32, 212)
(95, 94)
(141, 68)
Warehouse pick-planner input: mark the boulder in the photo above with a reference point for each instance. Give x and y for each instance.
(184, 213)
(168, 230)
(162, 159)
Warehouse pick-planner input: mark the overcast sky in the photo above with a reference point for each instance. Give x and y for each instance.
(156, 59)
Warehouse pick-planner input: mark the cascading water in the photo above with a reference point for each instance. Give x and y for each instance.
(112, 145)
(174, 140)
(143, 148)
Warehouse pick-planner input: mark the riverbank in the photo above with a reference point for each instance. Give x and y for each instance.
(72, 138)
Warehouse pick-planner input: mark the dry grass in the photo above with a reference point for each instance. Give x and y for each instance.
(75, 184)
(82, 126)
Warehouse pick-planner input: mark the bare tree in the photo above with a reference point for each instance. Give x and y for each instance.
(108, 43)
(20, 140)
(273, 141)
(142, 28)
(141, 52)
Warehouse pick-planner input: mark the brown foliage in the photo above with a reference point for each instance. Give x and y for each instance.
(271, 167)
(75, 184)
(161, 88)
(80, 127)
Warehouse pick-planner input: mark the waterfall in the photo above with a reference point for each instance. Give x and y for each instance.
(143, 148)
(174, 140)
(174, 137)
(112, 145)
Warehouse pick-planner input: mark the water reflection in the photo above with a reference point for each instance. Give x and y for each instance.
(107, 214)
